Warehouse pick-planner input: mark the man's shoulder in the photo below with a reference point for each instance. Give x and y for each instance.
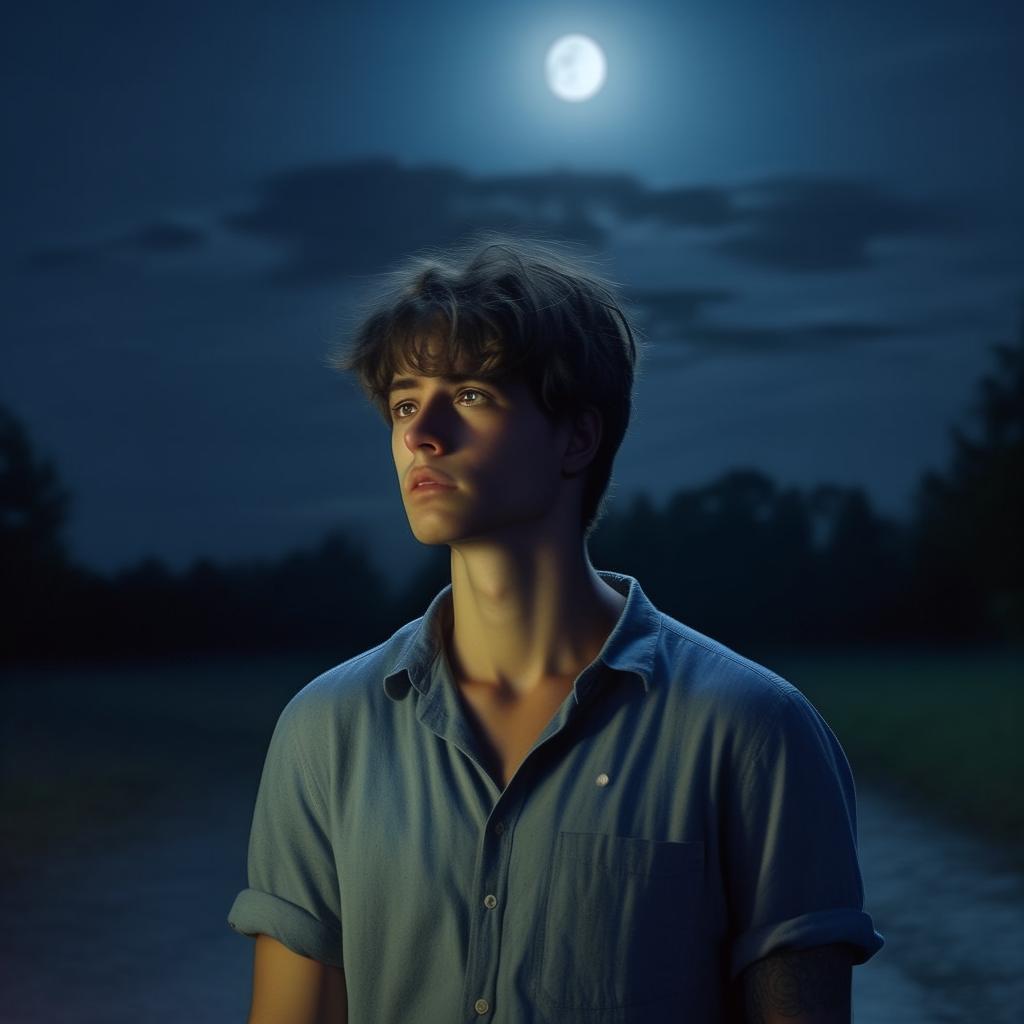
(346, 686)
(716, 688)
(689, 656)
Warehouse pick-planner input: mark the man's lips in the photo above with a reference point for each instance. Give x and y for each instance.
(431, 485)
(427, 474)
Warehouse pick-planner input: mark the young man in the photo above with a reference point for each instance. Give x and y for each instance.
(545, 799)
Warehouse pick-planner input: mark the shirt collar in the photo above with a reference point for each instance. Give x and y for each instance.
(631, 646)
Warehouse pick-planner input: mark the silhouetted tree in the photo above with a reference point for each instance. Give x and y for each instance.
(742, 560)
(970, 557)
(33, 503)
(33, 559)
(149, 608)
(331, 597)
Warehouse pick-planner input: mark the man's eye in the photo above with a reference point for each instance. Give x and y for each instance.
(464, 391)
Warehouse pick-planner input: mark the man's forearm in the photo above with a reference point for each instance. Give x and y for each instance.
(805, 986)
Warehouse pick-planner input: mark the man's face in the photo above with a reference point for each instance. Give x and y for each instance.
(494, 444)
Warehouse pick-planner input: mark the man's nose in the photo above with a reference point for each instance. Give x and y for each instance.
(431, 425)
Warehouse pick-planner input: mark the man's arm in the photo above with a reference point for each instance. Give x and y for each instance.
(802, 986)
(292, 989)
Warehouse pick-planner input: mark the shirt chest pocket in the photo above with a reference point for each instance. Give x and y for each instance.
(619, 921)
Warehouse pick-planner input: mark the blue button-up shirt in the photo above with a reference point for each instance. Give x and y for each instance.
(685, 812)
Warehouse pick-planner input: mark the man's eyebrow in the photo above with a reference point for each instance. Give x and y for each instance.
(409, 383)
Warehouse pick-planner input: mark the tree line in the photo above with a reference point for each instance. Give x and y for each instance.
(738, 558)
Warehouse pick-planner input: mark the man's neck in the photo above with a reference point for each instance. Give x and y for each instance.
(533, 630)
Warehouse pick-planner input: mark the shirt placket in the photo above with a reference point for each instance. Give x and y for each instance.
(489, 892)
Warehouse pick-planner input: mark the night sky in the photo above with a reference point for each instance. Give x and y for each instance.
(815, 207)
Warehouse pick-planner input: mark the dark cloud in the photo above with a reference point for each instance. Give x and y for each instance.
(160, 236)
(676, 317)
(355, 217)
(340, 219)
(164, 237)
(58, 257)
(335, 220)
(672, 310)
(621, 194)
(807, 224)
(816, 337)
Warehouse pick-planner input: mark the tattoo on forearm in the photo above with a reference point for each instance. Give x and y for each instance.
(797, 982)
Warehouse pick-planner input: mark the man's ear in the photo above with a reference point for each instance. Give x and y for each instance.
(584, 441)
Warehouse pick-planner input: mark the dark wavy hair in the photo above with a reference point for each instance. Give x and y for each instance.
(504, 306)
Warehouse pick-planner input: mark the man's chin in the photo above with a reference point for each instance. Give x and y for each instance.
(433, 533)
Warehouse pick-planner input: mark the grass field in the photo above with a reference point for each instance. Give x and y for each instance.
(86, 746)
(941, 729)
(80, 746)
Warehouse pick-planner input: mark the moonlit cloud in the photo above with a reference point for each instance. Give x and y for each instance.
(336, 219)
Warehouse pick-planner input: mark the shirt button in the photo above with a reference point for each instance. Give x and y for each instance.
(490, 902)
(499, 828)
(481, 1006)
(602, 779)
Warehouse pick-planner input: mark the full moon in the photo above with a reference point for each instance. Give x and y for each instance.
(575, 68)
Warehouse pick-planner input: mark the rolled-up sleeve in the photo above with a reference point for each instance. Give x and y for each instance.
(793, 876)
(292, 891)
